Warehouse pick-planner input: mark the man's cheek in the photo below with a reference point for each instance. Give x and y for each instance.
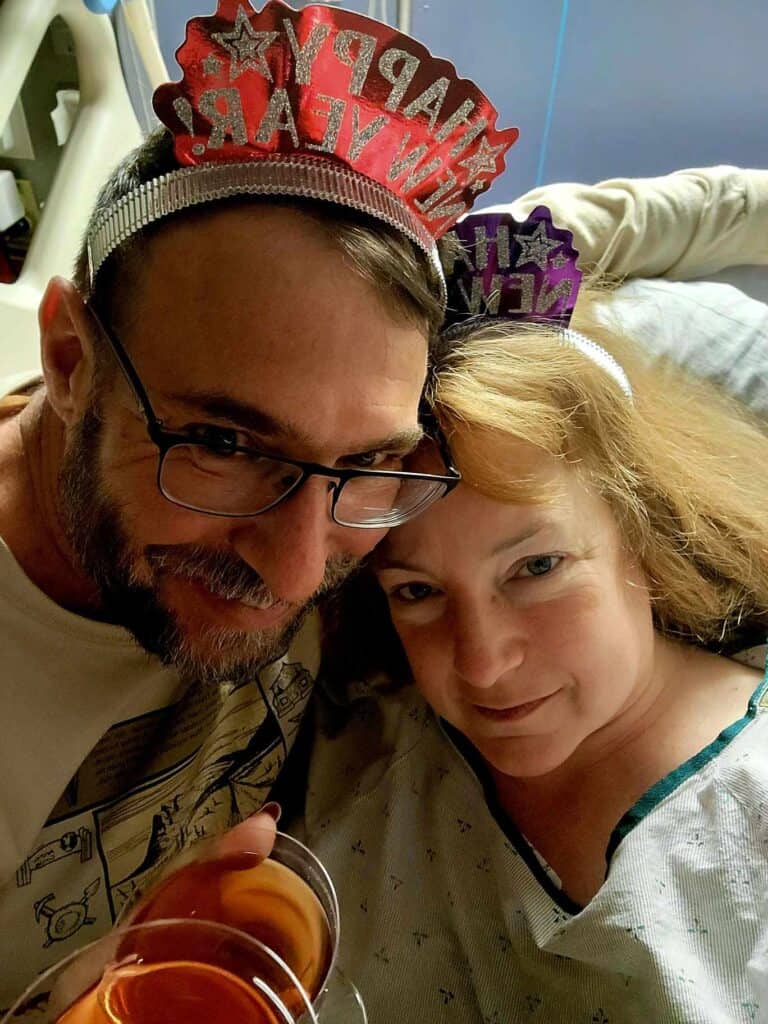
(362, 542)
(150, 519)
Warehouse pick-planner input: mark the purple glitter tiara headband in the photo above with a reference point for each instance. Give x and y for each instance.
(520, 270)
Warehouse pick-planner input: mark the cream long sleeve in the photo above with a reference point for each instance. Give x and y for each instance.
(683, 225)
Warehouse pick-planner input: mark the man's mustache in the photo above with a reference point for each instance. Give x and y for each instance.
(232, 578)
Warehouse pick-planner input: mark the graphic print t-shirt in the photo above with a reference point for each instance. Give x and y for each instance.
(109, 766)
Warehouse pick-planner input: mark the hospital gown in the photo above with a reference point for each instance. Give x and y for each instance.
(449, 915)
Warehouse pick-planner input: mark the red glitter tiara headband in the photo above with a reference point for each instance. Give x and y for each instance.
(317, 104)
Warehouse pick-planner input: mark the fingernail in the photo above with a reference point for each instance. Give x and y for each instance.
(273, 809)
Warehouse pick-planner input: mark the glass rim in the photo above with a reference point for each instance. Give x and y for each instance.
(117, 934)
(285, 839)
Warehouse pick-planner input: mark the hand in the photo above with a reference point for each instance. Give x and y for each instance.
(254, 835)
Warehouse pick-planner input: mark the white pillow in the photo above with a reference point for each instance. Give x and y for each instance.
(714, 329)
(752, 280)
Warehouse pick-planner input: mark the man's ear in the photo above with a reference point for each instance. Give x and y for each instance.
(66, 350)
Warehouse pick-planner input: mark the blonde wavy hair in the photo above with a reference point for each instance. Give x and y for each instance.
(683, 467)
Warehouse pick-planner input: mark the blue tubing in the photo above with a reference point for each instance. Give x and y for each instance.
(101, 6)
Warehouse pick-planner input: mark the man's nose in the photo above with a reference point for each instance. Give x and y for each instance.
(290, 545)
(488, 641)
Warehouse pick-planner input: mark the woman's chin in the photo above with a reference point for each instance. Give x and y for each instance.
(524, 757)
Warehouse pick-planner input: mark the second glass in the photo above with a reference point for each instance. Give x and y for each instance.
(167, 972)
(287, 902)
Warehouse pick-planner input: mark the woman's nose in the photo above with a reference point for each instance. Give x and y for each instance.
(488, 641)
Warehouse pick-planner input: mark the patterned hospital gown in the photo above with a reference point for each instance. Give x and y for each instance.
(449, 915)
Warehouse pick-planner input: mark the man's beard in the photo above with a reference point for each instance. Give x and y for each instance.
(95, 530)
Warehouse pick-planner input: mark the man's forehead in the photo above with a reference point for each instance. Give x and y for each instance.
(397, 433)
(227, 253)
(312, 348)
(333, 398)
(251, 221)
(269, 277)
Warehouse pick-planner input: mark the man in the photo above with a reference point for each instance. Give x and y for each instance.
(227, 385)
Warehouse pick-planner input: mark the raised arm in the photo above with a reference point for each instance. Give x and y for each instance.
(683, 225)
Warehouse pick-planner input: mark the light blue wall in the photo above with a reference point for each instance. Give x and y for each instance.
(644, 87)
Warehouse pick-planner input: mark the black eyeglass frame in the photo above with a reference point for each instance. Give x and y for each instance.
(164, 440)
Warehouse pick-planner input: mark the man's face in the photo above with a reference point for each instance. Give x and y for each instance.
(247, 318)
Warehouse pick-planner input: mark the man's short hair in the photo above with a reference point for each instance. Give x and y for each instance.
(397, 269)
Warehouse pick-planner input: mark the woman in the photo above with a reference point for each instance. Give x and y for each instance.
(569, 820)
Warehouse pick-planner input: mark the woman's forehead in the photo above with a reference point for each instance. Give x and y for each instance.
(509, 455)
(469, 523)
(466, 521)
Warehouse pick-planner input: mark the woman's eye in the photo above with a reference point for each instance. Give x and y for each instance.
(541, 565)
(410, 593)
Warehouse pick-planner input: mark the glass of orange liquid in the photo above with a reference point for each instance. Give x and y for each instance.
(231, 939)
(168, 972)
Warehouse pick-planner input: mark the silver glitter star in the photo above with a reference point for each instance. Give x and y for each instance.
(537, 247)
(558, 262)
(246, 46)
(483, 161)
(211, 65)
(478, 186)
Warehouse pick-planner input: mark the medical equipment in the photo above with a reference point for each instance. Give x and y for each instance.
(403, 12)
(97, 125)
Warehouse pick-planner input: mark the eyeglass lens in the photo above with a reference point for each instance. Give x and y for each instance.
(240, 483)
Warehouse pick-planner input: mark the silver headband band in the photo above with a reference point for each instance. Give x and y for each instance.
(599, 356)
(293, 176)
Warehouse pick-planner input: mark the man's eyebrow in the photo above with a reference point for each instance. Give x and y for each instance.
(224, 407)
(403, 443)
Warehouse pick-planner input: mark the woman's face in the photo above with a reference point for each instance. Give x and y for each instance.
(526, 626)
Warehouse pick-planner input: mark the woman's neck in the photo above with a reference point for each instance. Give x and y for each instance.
(570, 813)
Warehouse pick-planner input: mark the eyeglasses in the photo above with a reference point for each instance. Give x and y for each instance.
(206, 470)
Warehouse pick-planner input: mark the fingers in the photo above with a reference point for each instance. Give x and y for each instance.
(254, 835)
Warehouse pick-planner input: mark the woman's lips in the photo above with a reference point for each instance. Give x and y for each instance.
(515, 713)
